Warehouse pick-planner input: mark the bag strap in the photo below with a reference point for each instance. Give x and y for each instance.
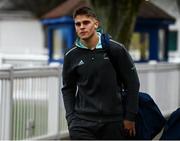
(105, 41)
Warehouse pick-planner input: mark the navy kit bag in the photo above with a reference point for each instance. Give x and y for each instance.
(150, 120)
(172, 127)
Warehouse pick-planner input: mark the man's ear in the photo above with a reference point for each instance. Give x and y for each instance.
(96, 24)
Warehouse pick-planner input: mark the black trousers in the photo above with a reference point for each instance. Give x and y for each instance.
(80, 129)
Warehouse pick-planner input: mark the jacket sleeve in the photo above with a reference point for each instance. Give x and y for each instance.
(129, 77)
(69, 88)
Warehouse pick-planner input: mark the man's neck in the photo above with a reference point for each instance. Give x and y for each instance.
(91, 42)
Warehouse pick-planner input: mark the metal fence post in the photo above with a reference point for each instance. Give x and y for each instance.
(8, 106)
(53, 108)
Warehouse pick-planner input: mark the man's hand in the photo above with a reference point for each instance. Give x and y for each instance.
(129, 127)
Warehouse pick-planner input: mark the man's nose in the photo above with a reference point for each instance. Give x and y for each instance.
(82, 26)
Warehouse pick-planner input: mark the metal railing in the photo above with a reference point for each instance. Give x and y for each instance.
(30, 104)
(24, 60)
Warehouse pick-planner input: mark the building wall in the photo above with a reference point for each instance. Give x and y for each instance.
(24, 36)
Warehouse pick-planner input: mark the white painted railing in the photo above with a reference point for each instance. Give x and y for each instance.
(24, 60)
(31, 105)
(6, 84)
(162, 82)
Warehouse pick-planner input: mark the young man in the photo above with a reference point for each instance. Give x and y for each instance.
(91, 88)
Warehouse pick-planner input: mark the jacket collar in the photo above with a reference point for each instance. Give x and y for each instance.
(80, 45)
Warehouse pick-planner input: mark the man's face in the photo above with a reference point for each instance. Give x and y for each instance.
(85, 26)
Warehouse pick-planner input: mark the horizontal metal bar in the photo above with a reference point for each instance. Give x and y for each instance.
(35, 73)
(4, 75)
(45, 71)
(62, 135)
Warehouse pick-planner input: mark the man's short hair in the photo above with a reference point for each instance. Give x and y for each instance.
(85, 11)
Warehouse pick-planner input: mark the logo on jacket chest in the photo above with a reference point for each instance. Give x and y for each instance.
(81, 62)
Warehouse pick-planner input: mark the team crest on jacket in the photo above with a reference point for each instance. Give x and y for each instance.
(106, 56)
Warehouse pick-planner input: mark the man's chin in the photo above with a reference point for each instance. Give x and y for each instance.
(84, 38)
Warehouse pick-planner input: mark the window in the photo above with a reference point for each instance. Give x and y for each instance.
(172, 40)
(161, 44)
(59, 44)
(139, 46)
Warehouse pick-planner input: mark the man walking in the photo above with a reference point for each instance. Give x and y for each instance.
(92, 88)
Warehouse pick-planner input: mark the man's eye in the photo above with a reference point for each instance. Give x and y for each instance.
(86, 22)
(78, 24)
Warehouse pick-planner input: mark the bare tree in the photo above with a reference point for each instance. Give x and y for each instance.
(178, 4)
(118, 17)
